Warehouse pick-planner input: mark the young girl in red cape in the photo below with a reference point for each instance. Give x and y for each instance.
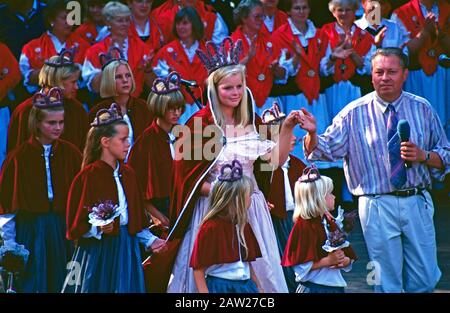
(226, 245)
(34, 183)
(315, 254)
(107, 257)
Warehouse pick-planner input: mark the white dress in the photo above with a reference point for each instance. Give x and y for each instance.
(246, 149)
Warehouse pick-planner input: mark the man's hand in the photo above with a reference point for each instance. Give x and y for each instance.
(308, 121)
(411, 152)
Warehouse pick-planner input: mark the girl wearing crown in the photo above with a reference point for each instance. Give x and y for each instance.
(34, 183)
(229, 119)
(59, 71)
(225, 243)
(105, 214)
(58, 37)
(117, 86)
(179, 55)
(166, 102)
(317, 257)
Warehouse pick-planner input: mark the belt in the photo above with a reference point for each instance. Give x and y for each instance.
(404, 193)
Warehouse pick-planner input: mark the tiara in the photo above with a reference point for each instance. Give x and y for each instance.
(65, 58)
(273, 114)
(234, 174)
(113, 115)
(53, 98)
(310, 174)
(215, 58)
(173, 78)
(113, 54)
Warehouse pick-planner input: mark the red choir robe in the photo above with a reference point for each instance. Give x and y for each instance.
(277, 194)
(306, 240)
(217, 243)
(23, 180)
(76, 124)
(307, 79)
(88, 32)
(10, 74)
(95, 184)
(361, 42)
(165, 15)
(188, 176)
(137, 111)
(281, 18)
(138, 56)
(411, 16)
(175, 56)
(156, 39)
(151, 159)
(259, 76)
(41, 49)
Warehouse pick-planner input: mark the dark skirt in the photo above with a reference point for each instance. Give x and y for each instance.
(282, 229)
(109, 265)
(309, 287)
(44, 236)
(221, 285)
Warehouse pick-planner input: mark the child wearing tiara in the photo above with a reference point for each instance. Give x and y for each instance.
(34, 183)
(225, 243)
(166, 103)
(105, 214)
(316, 248)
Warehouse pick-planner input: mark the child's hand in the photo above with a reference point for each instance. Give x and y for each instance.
(158, 245)
(336, 257)
(345, 263)
(107, 229)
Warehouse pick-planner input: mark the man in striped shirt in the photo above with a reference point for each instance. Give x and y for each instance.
(397, 223)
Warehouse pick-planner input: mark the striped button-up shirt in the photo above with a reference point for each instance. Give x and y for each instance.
(359, 136)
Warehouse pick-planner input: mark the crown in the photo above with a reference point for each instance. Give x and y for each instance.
(65, 58)
(215, 58)
(113, 115)
(273, 114)
(113, 54)
(310, 174)
(173, 78)
(50, 99)
(235, 172)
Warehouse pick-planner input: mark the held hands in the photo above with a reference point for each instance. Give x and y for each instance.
(292, 119)
(107, 229)
(307, 121)
(158, 246)
(410, 152)
(337, 259)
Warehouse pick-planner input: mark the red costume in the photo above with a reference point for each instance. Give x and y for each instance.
(175, 56)
(411, 16)
(259, 75)
(137, 111)
(276, 194)
(138, 57)
(75, 124)
(156, 39)
(95, 184)
(280, 19)
(88, 32)
(23, 178)
(307, 79)
(217, 243)
(344, 69)
(10, 74)
(151, 159)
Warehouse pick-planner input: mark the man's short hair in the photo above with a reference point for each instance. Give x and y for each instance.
(403, 58)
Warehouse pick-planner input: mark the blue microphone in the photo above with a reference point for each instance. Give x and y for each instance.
(404, 132)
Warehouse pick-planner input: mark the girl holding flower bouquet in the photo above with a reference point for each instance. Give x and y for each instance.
(105, 214)
(34, 183)
(317, 248)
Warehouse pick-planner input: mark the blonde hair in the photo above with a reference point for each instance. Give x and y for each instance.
(310, 198)
(93, 148)
(227, 200)
(159, 104)
(114, 9)
(108, 82)
(50, 76)
(242, 114)
(37, 115)
(334, 3)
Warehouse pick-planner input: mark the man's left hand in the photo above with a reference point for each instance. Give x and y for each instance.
(411, 152)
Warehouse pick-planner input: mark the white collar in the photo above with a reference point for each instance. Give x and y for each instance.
(310, 32)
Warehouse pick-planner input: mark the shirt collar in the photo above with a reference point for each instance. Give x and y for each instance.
(310, 32)
(286, 164)
(363, 23)
(341, 31)
(384, 104)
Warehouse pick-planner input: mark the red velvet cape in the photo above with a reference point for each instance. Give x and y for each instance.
(23, 179)
(95, 184)
(217, 243)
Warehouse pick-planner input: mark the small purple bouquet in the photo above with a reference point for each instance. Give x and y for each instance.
(103, 213)
(337, 231)
(13, 258)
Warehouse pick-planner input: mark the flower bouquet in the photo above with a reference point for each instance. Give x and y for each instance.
(13, 258)
(336, 236)
(103, 214)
